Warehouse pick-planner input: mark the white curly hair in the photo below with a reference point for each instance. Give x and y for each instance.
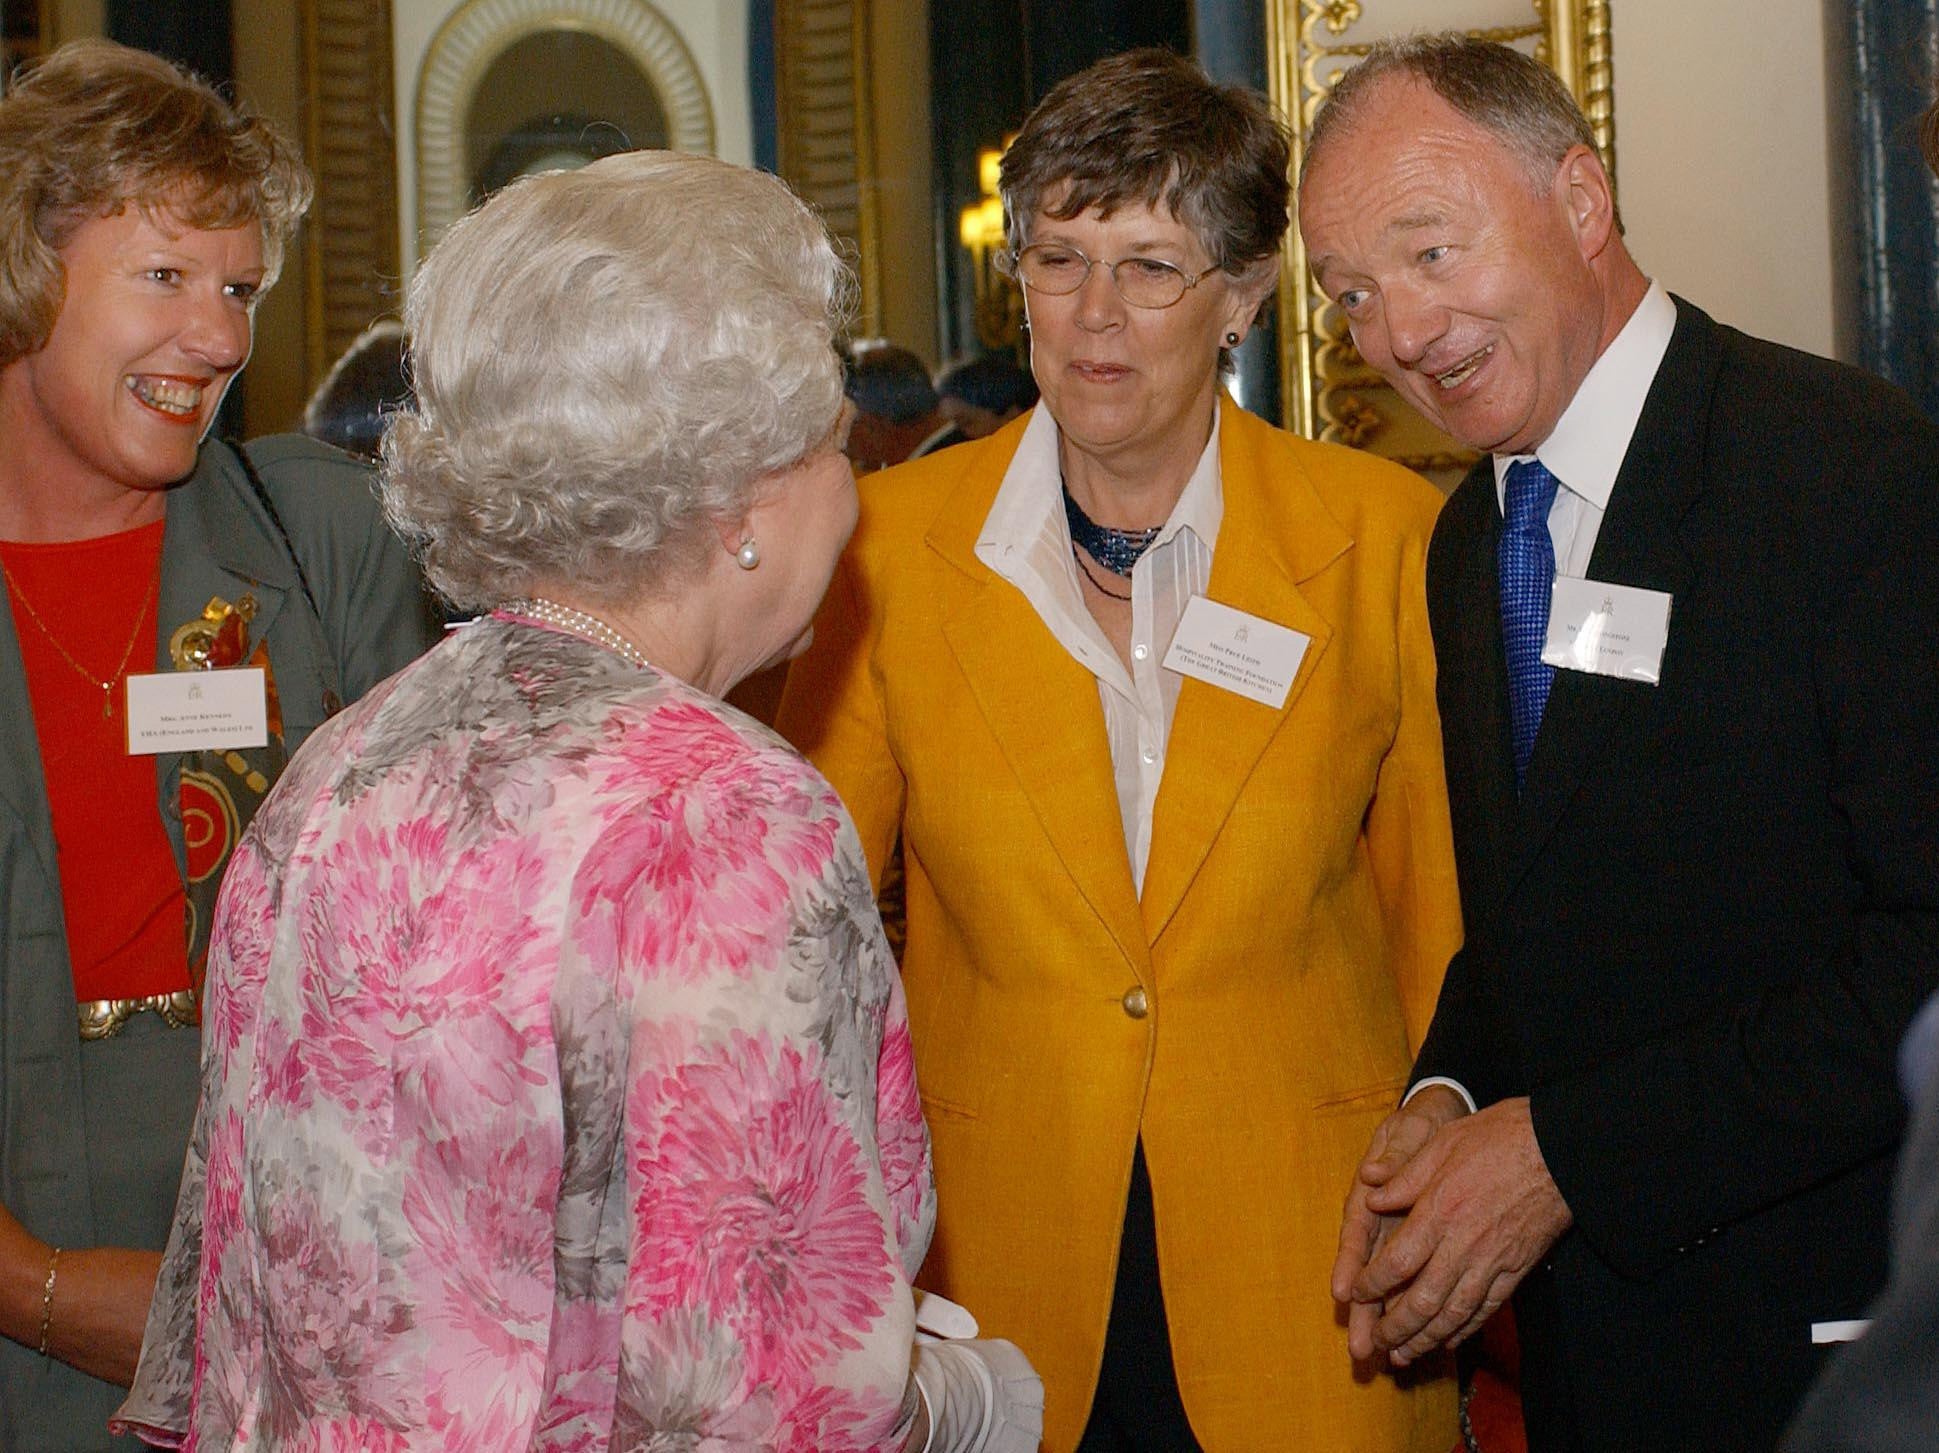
(606, 360)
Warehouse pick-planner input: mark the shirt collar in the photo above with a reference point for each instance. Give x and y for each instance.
(1029, 503)
(1201, 505)
(1585, 449)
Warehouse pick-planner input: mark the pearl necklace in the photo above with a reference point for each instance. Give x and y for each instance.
(566, 617)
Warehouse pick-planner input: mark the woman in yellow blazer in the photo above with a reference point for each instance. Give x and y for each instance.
(1169, 793)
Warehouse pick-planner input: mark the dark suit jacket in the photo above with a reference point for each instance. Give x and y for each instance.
(1695, 940)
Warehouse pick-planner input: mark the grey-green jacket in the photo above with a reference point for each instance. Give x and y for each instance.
(371, 618)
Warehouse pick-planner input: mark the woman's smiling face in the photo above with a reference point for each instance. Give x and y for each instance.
(155, 320)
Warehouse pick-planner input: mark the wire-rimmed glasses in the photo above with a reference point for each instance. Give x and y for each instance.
(1057, 268)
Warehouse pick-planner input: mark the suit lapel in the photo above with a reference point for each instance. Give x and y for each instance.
(1042, 707)
(1473, 690)
(1275, 534)
(22, 785)
(214, 543)
(1640, 543)
(215, 534)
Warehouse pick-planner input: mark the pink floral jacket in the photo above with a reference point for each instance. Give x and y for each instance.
(557, 1090)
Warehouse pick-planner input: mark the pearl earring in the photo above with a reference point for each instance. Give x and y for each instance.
(1232, 340)
(748, 556)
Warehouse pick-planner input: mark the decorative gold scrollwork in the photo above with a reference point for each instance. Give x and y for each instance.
(1340, 14)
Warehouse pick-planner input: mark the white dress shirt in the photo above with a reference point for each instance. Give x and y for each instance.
(1585, 449)
(1585, 452)
(1026, 540)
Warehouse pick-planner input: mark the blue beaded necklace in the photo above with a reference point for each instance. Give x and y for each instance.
(1116, 550)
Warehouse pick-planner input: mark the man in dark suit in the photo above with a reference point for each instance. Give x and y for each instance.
(1687, 622)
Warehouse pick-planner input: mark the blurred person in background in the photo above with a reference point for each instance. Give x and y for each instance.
(896, 414)
(363, 388)
(141, 219)
(980, 395)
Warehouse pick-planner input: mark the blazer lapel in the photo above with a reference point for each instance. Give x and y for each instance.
(214, 543)
(1042, 707)
(208, 535)
(1275, 534)
(22, 785)
(215, 533)
(1473, 693)
(1639, 544)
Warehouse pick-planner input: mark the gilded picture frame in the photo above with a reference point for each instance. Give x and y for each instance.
(1328, 391)
(825, 131)
(477, 32)
(350, 262)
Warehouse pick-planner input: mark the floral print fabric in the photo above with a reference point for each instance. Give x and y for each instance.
(557, 1090)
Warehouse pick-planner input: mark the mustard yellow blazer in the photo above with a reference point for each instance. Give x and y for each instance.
(1299, 907)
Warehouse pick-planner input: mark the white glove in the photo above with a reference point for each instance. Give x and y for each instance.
(938, 1319)
(982, 1397)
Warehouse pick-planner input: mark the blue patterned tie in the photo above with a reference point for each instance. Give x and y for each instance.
(1525, 566)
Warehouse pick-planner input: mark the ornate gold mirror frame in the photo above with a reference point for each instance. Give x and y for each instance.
(479, 31)
(350, 267)
(826, 130)
(1329, 392)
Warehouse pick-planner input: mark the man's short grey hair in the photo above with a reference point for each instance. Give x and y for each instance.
(605, 361)
(1495, 86)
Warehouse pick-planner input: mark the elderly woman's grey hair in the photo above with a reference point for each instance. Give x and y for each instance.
(606, 362)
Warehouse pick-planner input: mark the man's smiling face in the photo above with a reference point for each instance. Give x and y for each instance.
(1464, 279)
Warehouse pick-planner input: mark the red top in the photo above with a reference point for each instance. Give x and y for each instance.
(120, 889)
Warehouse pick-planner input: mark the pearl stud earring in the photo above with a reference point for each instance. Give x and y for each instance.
(748, 556)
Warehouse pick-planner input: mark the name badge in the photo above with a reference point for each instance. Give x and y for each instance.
(1607, 630)
(1825, 1333)
(197, 711)
(1237, 652)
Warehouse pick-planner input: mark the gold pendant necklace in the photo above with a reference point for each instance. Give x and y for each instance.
(127, 652)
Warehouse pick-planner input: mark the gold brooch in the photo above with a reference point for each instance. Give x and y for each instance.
(218, 637)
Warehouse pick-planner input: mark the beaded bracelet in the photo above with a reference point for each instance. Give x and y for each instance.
(47, 1299)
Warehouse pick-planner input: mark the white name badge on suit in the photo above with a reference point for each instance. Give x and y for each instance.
(1606, 629)
(1236, 651)
(195, 711)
